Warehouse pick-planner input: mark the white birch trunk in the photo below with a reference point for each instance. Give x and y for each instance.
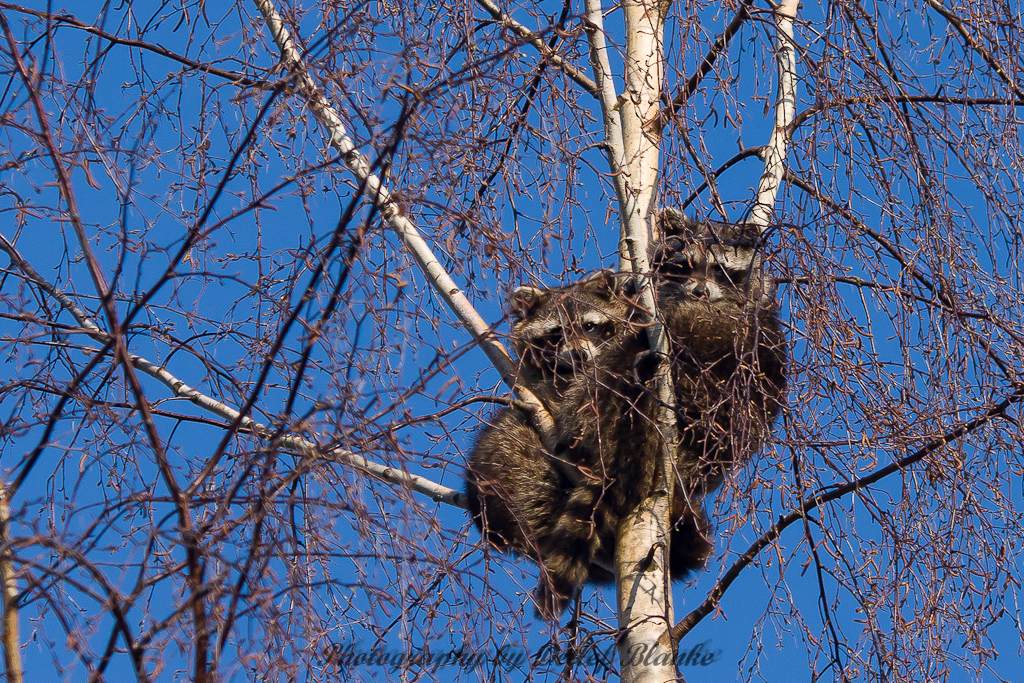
(404, 228)
(8, 593)
(785, 110)
(640, 112)
(632, 136)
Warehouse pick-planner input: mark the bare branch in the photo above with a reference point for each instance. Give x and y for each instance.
(785, 110)
(70, 20)
(708, 63)
(295, 443)
(841, 102)
(534, 39)
(961, 28)
(819, 499)
(195, 566)
(913, 270)
(407, 232)
(740, 156)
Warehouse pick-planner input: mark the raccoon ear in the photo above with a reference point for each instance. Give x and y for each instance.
(606, 283)
(524, 299)
(675, 222)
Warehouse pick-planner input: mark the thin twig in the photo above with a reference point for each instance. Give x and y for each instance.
(194, 577)
(70, 20)
(957, 23)
(941, 294)
(842, 102)
(177, 387)
(820, 498)
(404, 228)
(536, 40)
(706, 64)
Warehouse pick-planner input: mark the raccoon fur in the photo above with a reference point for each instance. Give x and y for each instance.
(583, 349)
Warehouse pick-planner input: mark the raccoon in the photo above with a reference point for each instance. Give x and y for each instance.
(583, 349)
(729, 354)
(563, 508)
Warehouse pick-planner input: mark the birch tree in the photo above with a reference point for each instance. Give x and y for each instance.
(255, 260)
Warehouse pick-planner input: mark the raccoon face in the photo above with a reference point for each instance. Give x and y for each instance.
(715, 262)
(562, 332)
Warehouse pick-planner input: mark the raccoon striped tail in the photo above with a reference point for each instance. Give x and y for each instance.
(580, 542)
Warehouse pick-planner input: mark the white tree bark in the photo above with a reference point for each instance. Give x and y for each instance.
(8, 594)
(785, 109)
(632, 137)
(405, 229)
(640, 112)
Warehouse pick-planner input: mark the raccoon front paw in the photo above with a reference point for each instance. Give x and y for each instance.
(645, 365)
(672, 259)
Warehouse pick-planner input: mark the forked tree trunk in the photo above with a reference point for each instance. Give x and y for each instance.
(643, 590)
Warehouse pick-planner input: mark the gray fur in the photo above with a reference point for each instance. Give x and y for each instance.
(583, 349)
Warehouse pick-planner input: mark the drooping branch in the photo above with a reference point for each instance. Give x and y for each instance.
(404, 228)
(839, 102)
(914, 271)
(785, 110)
(820, 498)
(180, 389)
(66, 19)
(534, 39)
(114, 602)
(194, 577)
(706, 64)
(973, 43)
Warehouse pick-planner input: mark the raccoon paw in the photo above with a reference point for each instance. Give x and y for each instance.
(549, 602)
(645, 365)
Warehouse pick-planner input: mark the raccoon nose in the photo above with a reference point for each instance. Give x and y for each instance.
(574, 356)
(699, 289)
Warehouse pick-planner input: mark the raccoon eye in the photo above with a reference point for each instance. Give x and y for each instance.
(719, 273)
(592, 329)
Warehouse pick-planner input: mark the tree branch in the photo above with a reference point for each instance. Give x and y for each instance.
(785, 110)
(818, 499)
(972, 43)
(177, 387)
(70, 20)
(706, 64)
(407, 232)
(940, 293)
(533, 38)
(819, 107)
(194, 578)
(631, 225)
